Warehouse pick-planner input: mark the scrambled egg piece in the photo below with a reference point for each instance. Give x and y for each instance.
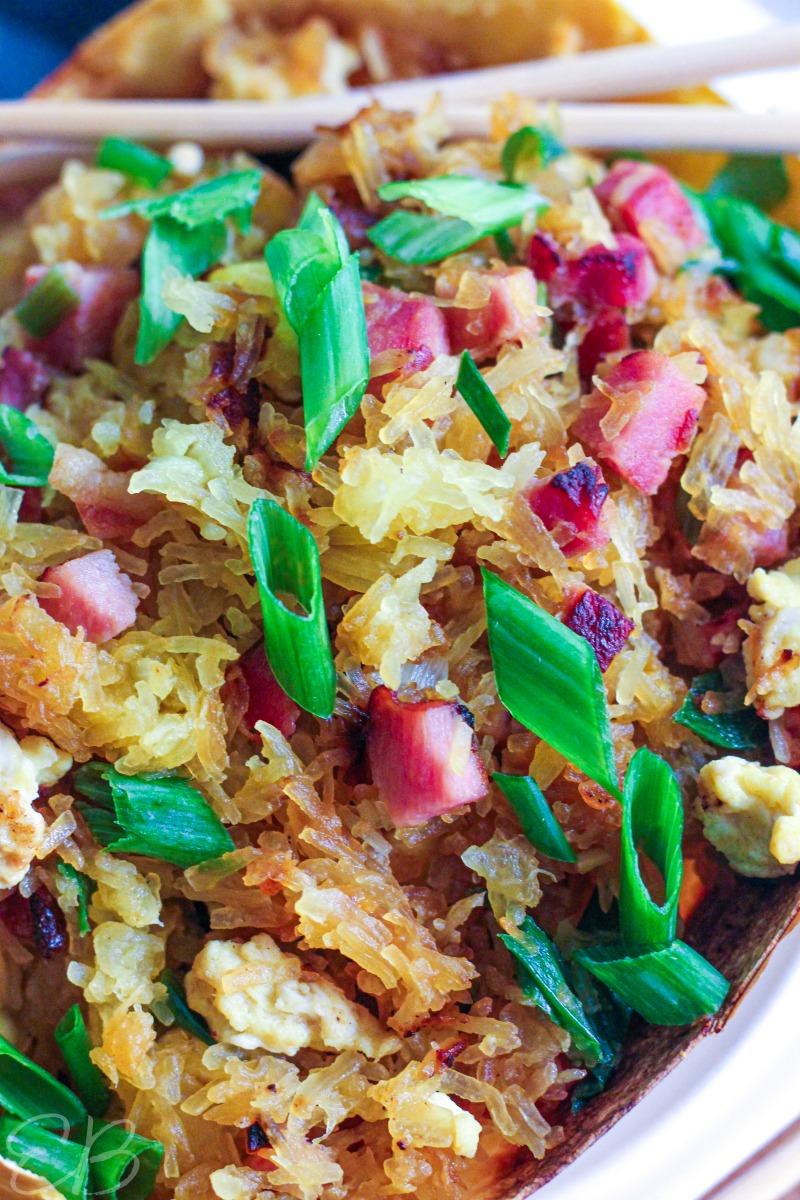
(419, 1114)
(24, 767)
(752, 814)
(772, 647)
(253, 995)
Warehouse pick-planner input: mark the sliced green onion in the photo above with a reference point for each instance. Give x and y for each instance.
(479, 202)
(652, 821)
(133, 160)
(124, 1165)
(505, 246)
(164, 817)
(72, 1037)
(184, 1016)
(541, 977)
(671, 986)
(759, 178)
(414, 237)
(85, 887)
(740, 728)
(231, 195)
(170, 245)
(63, 1164)
(29, 1092)
(529, 147)
(483, 402)
(535, 816)
(47, 304)
(334, 360)
(548, 679)
(286, 562)
(610, 1018)
(318, 283)
(28, 451)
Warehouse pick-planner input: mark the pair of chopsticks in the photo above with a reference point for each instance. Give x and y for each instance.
(466, 95)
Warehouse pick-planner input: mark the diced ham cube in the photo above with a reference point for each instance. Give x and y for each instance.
(423, 757)
(96, 596)
(570, 505)
(23, 378)
(101, 496)
(620, 277)
(507, 311)
(544, 256)
(36, 921)
(605, 628)
(663, 406)
(411, 325)
(266, 699)
(644, 199)
(87, 332)
(608, 334)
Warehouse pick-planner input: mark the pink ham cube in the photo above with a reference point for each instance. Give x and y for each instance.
(412, 325)
(601, 623)
(508, 313)
(88, 331)
(662, 406)
(645, 200)
(96, 596)
(570, 505)
(266, 699)
(423, 757)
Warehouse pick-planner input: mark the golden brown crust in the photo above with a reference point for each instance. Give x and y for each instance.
(154, 48)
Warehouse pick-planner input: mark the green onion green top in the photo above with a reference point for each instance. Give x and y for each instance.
(535, 816)
(318, 283)
(72, 1037)
(27, 451)
(64, 1164)
(652, 822)
(286, 562)
(159, 815)
(529, 147)
(733, 728)
(483, 402)
(139, 163)
(548, 679)
(232, 195)
(47, 304)
(27, 1091)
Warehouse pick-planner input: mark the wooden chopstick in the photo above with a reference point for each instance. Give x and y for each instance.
(772, 1173)
(255, 126)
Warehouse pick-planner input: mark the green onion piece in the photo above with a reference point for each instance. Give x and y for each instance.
(334, 360)
(414, 237)
(29, 1092)
(137, 162)
(164, 817)
(483, 402)
(527, 148)
(759, 178)
(671, 986)
(541, 977)
(505, 246)
(231, 195)
(170, 245)
(652, 821)
(610, 1018)
(479, 202)
(548, 679)
(85, 888)
(766, 256)
(318, 283)
(535, 816)
(286, 562)
(72, 1037)
(185, 1018)
(28, 451)
(63, 1164)
(737, 728)
(123, 1164)
(47, 304)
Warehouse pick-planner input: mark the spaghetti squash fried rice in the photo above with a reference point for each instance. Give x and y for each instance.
(400, 580)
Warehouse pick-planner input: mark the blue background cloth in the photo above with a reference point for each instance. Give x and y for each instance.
(36, 35)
